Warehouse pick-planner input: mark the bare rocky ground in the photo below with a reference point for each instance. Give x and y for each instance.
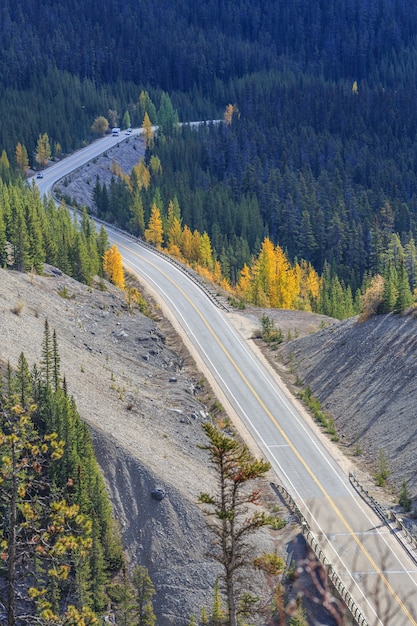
(365, 376)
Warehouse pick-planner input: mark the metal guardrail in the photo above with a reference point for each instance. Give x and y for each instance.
(393, 521)
(378, 508)
(333, 576)
(183, 268)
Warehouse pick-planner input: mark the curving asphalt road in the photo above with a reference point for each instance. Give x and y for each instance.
(379, 574)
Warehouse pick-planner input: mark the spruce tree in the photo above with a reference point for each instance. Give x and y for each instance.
(144, 592)
(23, 382)
(47, 358)
(404, 297)
(390, 288)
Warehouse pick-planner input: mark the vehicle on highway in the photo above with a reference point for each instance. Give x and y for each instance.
(39, 175)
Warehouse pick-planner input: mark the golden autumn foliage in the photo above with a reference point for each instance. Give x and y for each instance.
(175, 238)
(372, 298)
(147, 130)
(271, 281)
(155, 233)
(187, 243)
(205, 254)
(231, 109)
(113, 266)
(22, 159)
(140, 176)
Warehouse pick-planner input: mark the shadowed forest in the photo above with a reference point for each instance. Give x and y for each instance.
(320, 153)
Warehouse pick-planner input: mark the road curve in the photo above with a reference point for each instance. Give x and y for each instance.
(379, 574)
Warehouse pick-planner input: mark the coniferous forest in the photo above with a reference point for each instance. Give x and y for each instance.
(320, 156)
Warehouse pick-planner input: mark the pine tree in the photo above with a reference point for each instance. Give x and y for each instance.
(144, 592)
(404, 297)
(123, 597)
(126, 122)
(36, 524)
(217, 613)
(23, 382)
(102, 243)
(37, 252)
(56, 375)
(98, 578)
(3, 252)
(47, 359)
(167, 116)
(405, 498)
(390, 288)
(137, 221)
(147, 106)
(231, 507)
(5, 167)
(203, 616)
(19, 238)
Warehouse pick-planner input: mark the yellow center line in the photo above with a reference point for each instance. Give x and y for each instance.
(336, 510)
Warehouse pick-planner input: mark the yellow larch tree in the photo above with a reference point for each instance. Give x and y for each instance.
(231, 109)
(217, 273)
(205, 253)
(195, 251)
(286, 291)
(308, 285)
(43, 150)
(175, 238)
(271, 281)
(266, 271)
(154, 232)
(140, 176)
(257, 294)
(173, 212)
(244, 283)
(187, 243)
(155, 165)
(22, 159)
(113, 266)
(147, 130)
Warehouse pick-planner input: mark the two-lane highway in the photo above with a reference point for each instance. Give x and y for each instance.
(379, 574)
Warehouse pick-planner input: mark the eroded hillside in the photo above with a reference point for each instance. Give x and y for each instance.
(365, 376)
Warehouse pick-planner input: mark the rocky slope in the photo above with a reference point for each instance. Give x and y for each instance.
(139, 391)
(365, 376)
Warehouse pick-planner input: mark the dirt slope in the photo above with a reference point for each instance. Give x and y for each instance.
(365, 376)
(137, 388)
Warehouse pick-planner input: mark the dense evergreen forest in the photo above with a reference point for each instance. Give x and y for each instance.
(319, 157)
